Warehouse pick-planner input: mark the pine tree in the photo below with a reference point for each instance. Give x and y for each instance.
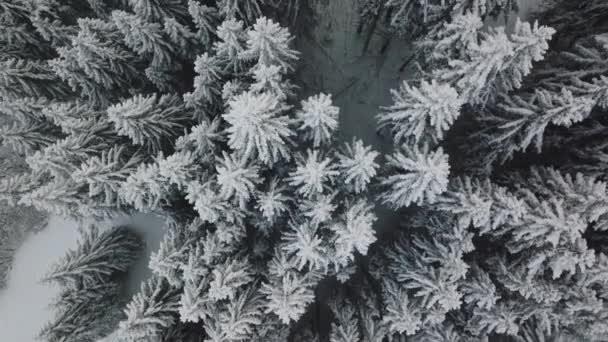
(313, 174)
(306, 246)
(268, 44)
(236, 179)
(15, 186)
(155, 10)
(107, 173)
(98, 256)
(169, 260)
(357, 165)
(97, 63)
(24, 110)
(150, 121)
(154, 185)
(145, 38)
(27, 139)
(83, 322)
(289, 298)
(181, 38)
(518, 122)
(88, 306)
(246, 10)
(151, 312)
(420, 112)
(415, 176)
(258, 128)
(231, 45)
(29, 78)
(319, 119)
(270, 80)
(273, 201)
(205, 18)
(354, 231)
(65, 156)
(498, 63)
(207, 88)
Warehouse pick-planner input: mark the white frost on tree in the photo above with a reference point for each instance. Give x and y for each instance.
(498, 63)
(306, 246)
(228, 277)
(318, 119)
(290, 297)
(150, 121)
(268, 44)
(231, 44)
(258, 127)
(274, 201)
(357, 165)
(237, 179)
(151, 312)
(354, 231)
(416, 175)
(313, 174)
(270, 79)
(205, 198)
(319, 209)
(422, 112)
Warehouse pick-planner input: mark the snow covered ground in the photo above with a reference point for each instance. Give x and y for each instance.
(24, 303)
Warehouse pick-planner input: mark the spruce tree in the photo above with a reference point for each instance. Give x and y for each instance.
(88, 306)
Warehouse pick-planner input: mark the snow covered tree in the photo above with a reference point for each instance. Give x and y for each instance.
(319, 118)
(258, 127)
(568, 94)
(88, 306)
(306, 246)
(246, 10)
(236, 179)
(97, 63)
(413, 18)
(205, 19)
(270, 79)
(155, 10)
(415, 176)
(98, 257)
(29, 78)
(268, 44)
(314, 174)
(88, 321)
(231, 44)
(145, 38)
(65, 156)
(25, 110)
(498, 63)
(154, 185)
(290, 297)
(357, 165)
(26, 139)
(421, 112)
(273, 201)
(151, 312)
(14, 186)
(354, 231)
(107, 173)
(150, 121)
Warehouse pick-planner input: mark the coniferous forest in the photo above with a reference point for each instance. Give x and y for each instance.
(481, 216)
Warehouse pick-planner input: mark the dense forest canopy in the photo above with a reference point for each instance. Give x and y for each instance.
(191, 109)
